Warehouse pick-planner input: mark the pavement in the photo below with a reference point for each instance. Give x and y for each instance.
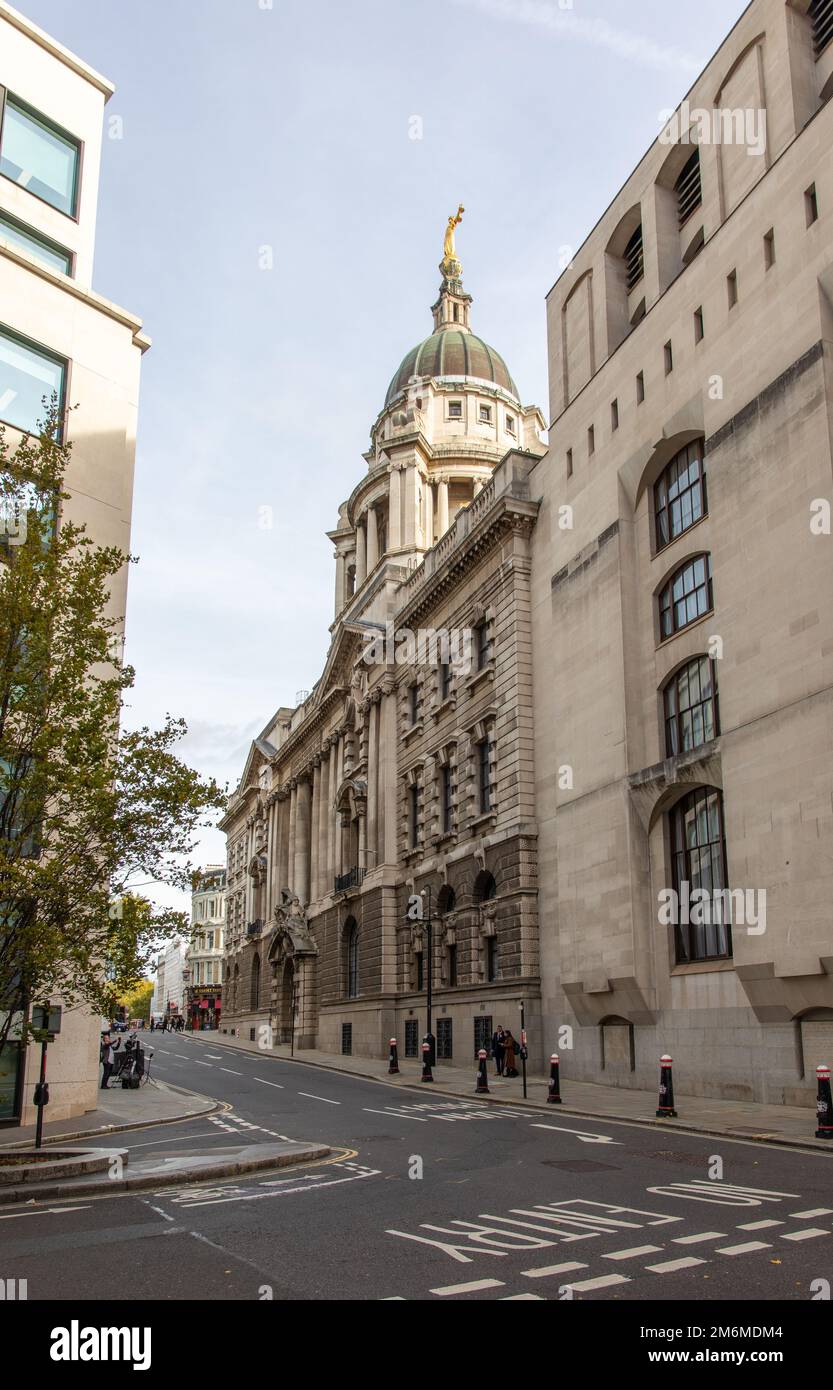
(776, 1124)
(157, 1103)
(428, 1196)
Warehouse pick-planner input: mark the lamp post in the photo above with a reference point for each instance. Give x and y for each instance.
(429, 978)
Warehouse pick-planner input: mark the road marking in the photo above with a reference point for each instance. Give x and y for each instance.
(215, 1056)
(183, 1056)
(523, 1298)
(268, 1083)
(324, 1098)
(809, 1233)
(581, 1134)
(397, 1114)
(159, 1211)
(757, 1225)
(449, 1290)
(203, 1064)
(704, 1235)
(547, 1271)
(811, 1215)
(43, 1211)
(605, 1281)
(744, 1249)
(671, 1266)
(722, 1194)
(635, 1253)
(231, 1072)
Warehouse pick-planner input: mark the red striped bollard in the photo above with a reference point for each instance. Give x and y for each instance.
(427, 1074)
(665, 1109)
(824, 1104)
(482, 1087)
(554, 1089)
(393, 1069)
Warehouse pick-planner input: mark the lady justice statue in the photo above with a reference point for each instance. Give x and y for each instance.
(450, 266)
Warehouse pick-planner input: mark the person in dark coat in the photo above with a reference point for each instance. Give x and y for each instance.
(509, 1068)
(498, 1048)
(107, 1057)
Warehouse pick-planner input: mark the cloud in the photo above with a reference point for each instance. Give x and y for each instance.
(547, 14)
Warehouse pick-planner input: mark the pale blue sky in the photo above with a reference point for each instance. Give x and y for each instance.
(289, 127)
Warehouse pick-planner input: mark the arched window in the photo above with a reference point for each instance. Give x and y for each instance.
(485, 887)
(698, 861)
(688, 188)
(680, 494)
(634, 259)
(352, 960)
(446, 899)
(686, 596)
(691, 714)
(254, 994)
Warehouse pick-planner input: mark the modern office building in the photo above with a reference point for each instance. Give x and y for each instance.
(58, 336)
(203, 972)
(683, 593)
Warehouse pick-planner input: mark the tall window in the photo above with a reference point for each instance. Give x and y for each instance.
(698, 858)
(28, 374)
(353, 961)
(686, 596)
(691, 717)
(452, 965)
(447, 798)
(483, 645)
(254, 998)
(635, 259)
(821, 13)
(40, 156)
(413, 814)
(680, 494)
(491, 959)
(414, 703)
(688, 188)
(444, 680)
(484, 770)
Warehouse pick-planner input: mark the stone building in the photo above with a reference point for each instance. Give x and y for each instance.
(683, 592)
(203, 969)
(57, 335)
(409, 765)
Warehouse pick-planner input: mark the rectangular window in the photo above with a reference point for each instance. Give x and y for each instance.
(40, 156)
(452, 965)
(640, 388)
(591, 441)
(484, 778)
(491, 959)
(411, 1037)
(614, 415)
(482, 1033)
(569, 463)
(699, 326)
(484, 646)
(444, 1040)
(48, 253)
(769, 249)
(444, 680)
(811, 205)
(510, 424)
(732, 288)
(485, 414)
(413, 814)
(669, 358)
(27, 375)
(455, 410)
(446, 799)
(346, 1039)
(414, 703)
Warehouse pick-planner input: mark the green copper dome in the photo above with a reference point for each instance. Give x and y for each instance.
(451, 352)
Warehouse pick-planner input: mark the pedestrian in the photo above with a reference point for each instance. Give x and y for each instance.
(509, 1044)
(107, 1057)
(498, 1048)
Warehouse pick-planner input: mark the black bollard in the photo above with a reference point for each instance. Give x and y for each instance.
(824, 1104)
(665, 1109)
(554, 1095)
(482, 1087)
(427, 1074)
(393, 1069)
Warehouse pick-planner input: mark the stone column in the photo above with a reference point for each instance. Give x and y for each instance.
(371, 858)
(372, 539)
(395, 511)
(429, 513)
(302, 845)
(331, 819)
(313, 839)
(361, 555)
(442, 499)
(290, 852)
(324, 884)
(283, 845)
(341, 582)
(389, 852)
(410, 535)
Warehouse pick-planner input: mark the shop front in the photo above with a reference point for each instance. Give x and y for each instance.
(204, 1009)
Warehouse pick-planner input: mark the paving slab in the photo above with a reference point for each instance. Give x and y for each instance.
(157, 1103)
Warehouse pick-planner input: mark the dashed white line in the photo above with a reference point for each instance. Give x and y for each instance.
(547, 1271)
(671, 1266)
(634, 1253)
(397, 1115)
(758, 1225)
(183, 1056)
(523, 1298)
(703, 1235)
(269, 1083)
(450, 1290)
(809, 1233)
(605, 1281)
(744, 1249)
(204, 1064)
(324, 1098)
(811, 1215)
(231, 1072)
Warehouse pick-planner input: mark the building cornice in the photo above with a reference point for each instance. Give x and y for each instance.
(45, 41)
(86, 296)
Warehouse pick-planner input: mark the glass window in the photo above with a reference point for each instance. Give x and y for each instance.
(444, 680)
(447, 798)
(485, 414)
(452, 965)
(353, 962)
(455, 410)
(491, 959)
(414, 703)
(698, 857)
(413, 798)
(510, 424)
(686, 596)
(14, 234)
(680, 494)
(485, 775)
(484, 646)
(28, 376)
(691, 707)
(40, 157)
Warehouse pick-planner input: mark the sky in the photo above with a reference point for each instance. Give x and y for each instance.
(274, 211)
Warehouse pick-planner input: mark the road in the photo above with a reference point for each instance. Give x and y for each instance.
(431, 1198)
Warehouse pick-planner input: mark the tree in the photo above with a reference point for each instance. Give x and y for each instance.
(87, 810)
(137, 1001)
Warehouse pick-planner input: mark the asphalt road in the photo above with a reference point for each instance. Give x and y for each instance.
(429, 1198)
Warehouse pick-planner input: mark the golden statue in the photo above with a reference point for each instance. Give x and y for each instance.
(449, 253)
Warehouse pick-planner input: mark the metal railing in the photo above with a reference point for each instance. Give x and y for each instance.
(352, 879)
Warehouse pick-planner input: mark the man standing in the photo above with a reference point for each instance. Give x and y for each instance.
(498, 1048)
(107, 1057)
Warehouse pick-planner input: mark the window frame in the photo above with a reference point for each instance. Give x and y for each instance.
(29, 234)
(665, 508)
(484, 776)
(63, 362)
(9, 99)
(672, 717)
(668, 588)
(683, 953)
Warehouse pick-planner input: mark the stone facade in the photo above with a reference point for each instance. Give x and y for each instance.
(711, 333)
(409, 766)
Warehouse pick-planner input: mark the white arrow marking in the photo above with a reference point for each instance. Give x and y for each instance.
(581, 1134)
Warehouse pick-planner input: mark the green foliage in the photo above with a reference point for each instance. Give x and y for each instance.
(137, 1001)
(86, 810)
